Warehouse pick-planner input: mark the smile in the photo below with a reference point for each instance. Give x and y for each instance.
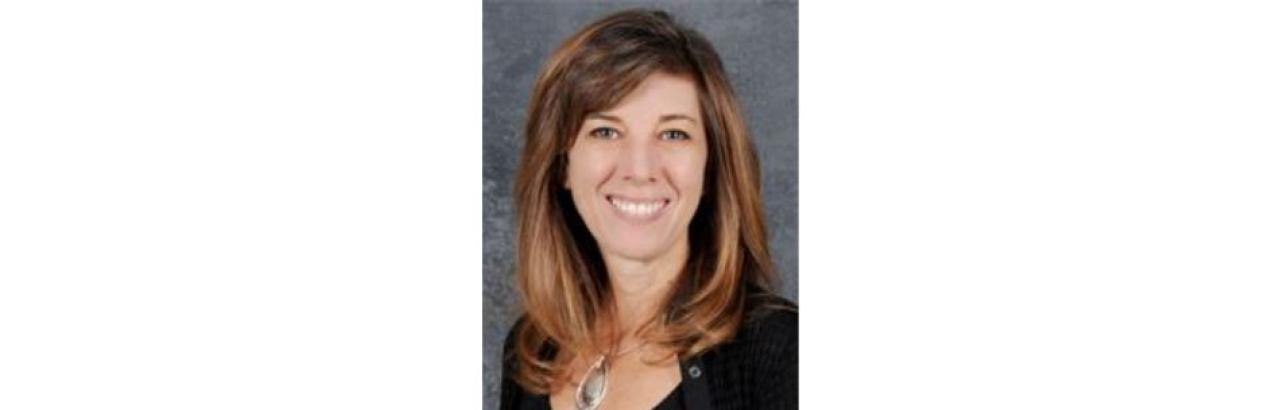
(638, 209)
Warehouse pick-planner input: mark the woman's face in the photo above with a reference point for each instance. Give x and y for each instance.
(635, 170)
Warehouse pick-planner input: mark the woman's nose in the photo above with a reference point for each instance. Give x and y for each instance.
(638, 162)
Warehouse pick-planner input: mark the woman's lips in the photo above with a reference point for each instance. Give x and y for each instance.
(638, 209)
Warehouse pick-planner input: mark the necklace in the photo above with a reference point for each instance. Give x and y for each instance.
(595, 383)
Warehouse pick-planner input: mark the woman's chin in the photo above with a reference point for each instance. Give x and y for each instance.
(640, 252)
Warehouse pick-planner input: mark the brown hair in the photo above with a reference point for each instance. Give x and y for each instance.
(560, 273)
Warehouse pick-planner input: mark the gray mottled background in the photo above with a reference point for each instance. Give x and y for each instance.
(756, 40)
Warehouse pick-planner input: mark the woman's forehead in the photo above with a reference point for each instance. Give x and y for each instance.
(661, 96)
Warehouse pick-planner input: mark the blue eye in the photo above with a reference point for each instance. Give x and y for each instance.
(675, 135)
(604, 132)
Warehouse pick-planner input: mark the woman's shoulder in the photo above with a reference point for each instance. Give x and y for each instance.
(514, 333)
(513, 395)
(770, 319)
(762, 356)
(510, 339)
(509, 360)
(770, 324)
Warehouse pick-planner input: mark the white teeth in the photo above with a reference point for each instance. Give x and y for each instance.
(640, 209)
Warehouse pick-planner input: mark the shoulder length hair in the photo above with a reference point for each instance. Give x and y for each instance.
(559, 269)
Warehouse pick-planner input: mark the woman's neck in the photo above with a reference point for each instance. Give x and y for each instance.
(639, 286)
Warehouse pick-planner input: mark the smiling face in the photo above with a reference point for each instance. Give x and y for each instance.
(635, 170)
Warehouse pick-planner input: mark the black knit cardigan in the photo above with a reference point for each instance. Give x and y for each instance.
(757, 369)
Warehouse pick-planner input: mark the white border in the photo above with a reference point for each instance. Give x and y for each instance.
(237, 205)
(1038, 205)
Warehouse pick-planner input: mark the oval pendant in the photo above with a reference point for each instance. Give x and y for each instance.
(592, 388)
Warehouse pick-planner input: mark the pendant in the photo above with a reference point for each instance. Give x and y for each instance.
(591, 390)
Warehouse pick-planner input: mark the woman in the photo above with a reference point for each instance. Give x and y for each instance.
(643, 261)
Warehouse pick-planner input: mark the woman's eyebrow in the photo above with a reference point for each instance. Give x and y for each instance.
(673, 117)
(663, 118)
(603, 116)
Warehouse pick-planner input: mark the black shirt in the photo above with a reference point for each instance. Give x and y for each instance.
(757, 369)
(673, 401)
